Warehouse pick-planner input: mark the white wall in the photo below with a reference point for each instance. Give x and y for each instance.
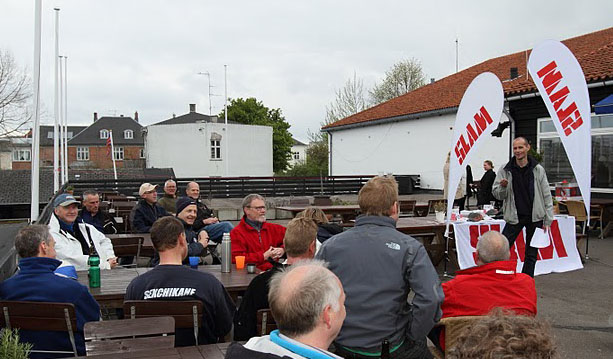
(186, 148)
(408, 147)
(301, 149)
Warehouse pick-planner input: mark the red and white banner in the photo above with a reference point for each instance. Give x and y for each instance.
(478, 115)
(561, 83)
(560, 256)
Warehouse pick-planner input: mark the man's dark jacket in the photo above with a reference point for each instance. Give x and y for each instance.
(144, 214)
(204, 212)
(194, 248)
(485, 196)
(103, 221)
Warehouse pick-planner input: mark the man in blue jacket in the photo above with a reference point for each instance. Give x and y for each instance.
(147, 210)
(37, 282)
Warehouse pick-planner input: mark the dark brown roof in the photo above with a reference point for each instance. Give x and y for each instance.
(91, 135)
(594, 51)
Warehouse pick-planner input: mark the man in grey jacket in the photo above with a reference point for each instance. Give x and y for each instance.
(378, 267)
(523, 186)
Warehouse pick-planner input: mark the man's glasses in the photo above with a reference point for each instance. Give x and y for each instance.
(260, 208)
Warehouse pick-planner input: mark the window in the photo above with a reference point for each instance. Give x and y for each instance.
(142, 153)
(22, 155)
(128, 134)
(118, 153)
(296, 155)
(104, 134)
(82, 153)
(556, 162)
(215, 149)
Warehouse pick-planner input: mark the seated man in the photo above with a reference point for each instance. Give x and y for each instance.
(379, 267)
(205, 218)
(196, 241)
(307, 302)
(168, 237)
(92, 214)
(493, 283)
(299, 243)
(254, 238)
(147, 210)
(36, 282)
(74, 239)
(169, 199)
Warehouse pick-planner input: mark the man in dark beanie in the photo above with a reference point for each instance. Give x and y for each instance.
(197, 241)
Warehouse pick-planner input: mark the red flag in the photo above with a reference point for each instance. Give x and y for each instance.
(108, 145)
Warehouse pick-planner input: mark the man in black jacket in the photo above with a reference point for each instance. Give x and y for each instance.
(206, 219)
(92, 214)
(299, 243)
(147, 210)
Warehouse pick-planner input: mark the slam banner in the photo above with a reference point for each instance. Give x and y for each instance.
(478, 115)
(561, 83)
(560, 256)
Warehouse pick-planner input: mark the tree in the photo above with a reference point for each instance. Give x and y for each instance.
(349, 100)
(14, 95)
(316, 163)
(252, 112)
(404, 76)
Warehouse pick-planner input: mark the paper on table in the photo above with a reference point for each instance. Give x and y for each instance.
(540, 239)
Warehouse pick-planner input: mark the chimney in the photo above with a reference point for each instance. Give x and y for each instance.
(136, 116)
(121, 115)
(192, 107)
(432, 80)
(514, 73)
(95, 116)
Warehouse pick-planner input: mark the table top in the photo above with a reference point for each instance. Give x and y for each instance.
(331, 209)
(145, 236)
(114, 282)
(211, 351)
(419, 224)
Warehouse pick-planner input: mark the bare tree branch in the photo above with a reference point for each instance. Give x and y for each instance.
(404, 76)
(14, 95)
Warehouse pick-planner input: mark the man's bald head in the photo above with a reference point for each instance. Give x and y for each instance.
(299, 295)
(492, 247)
(193, 190)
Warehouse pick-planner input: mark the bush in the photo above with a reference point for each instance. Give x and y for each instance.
(11, 347)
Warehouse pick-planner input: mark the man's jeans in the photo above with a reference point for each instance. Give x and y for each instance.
(511, 231)
(216, 230)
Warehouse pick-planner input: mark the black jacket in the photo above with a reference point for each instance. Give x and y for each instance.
(143, 215)
(194, 248)
(327, 230)
(485, 196)
(203, 213)
(103, 221)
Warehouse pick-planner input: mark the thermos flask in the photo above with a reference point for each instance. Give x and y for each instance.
(226, 253)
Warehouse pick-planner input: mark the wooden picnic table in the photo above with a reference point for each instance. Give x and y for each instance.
(347, 211)
(431, 231)
(114, 282)
(210, 351)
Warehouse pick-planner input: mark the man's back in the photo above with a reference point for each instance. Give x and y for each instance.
(36, 282)
(477, 290)
(378, 266)
(176, 282)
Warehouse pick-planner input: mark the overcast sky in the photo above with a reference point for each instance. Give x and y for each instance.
(132, 55)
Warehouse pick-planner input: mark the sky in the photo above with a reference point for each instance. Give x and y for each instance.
(132, 55)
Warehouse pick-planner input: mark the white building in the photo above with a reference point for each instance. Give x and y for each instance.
(298, 153)
(197, 145)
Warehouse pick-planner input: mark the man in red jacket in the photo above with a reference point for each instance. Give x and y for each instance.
(254, 238)
(492, 283)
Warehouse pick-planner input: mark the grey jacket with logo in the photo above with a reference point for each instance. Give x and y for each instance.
(542, 206)
(378, 267)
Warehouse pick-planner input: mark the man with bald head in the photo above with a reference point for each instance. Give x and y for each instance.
(205, 218)
(308, 304)
(523, 187)
(492, 283)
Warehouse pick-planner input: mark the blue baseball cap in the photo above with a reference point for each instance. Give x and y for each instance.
(64, 200)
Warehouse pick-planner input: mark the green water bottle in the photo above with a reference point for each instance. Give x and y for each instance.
(94, 270)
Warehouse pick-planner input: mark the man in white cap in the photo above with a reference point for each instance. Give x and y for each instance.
(74, 241)
(147, 210)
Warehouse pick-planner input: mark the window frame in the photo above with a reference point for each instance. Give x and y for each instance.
(82, 153)
(215, 150)
(17, 151)
(104, 134)
(125, 134)
(118, 153)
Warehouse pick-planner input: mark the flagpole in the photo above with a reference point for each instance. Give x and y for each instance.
(65, 119)
(113, 154)
(61, 119)
(56, 152)
(34, 206)
(225, 75)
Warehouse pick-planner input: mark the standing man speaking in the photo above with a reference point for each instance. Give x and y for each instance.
(523, 186)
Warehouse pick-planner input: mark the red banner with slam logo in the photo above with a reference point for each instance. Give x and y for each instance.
(560, 256)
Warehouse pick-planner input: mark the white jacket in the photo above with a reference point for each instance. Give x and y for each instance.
(69, 250)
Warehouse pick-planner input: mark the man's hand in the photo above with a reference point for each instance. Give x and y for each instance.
(546, 228)
(504, 182)
(277, 253)
(210, 220)
(112, 262)
(268, 253)
(203, 238)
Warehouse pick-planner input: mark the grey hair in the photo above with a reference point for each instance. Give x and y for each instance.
(297, 309)
(168, 181)
(250, 197)
(90, 192)
(29, 238)
(493, 246)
